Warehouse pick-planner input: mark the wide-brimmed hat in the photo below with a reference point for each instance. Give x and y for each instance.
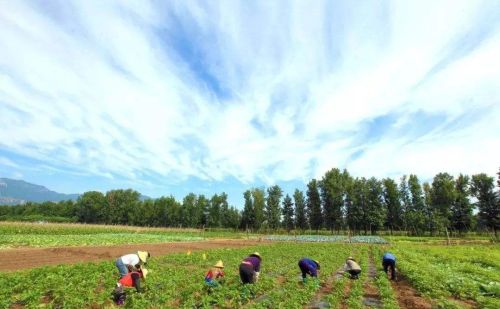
(256, 254)
(350, 258)
(143, 255)
(317, 263)
(219, 264)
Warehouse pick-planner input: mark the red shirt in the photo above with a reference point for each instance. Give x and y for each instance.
(214, 273)
(127, 279)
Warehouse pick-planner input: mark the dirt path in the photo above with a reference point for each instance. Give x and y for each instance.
(26, 258)
(407, 296)
(371, 296)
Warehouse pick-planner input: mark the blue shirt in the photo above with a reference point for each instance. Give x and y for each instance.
(309, 265)
(389, 256)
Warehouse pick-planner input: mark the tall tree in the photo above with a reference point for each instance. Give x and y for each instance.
(314, 205)
(248, 214)
(392, 203)
(404, 193)
(166, 212)
(202, 204)
(300, 210)
(90, 207)
(443, 197)
(374, 211)
(191, 213)
(121, 205)
(357, 195)
(214, 212)
(259, 202)
(416, 213)
(332, 198)
(429, 211)
(273, 211)
(225, 211)
(489, 212)
(461, 211)
(288, 221)
(233, 218)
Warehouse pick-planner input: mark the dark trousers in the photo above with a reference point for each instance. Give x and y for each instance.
(392, 264)
(355, 273)
(247, 274)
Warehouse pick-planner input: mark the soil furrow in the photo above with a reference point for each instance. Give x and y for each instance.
(26, 258)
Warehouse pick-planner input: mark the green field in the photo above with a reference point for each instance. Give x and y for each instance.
(15, 234)
(445, 274)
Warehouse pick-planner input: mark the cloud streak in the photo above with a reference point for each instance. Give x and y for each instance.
(258, 92)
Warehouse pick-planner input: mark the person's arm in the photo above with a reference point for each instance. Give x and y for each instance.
(313, 271)
(257, 265)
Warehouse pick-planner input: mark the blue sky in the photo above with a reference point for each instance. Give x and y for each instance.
(194, 96)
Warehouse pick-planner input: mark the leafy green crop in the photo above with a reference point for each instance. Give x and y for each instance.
(177, 280)
(50, 235)
(461, 272)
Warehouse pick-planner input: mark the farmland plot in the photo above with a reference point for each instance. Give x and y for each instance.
(177, 281)
(456, 276)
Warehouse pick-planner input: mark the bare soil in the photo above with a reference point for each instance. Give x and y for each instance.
(371, 296)
(325, 289)
(407, 296)
(27, 258)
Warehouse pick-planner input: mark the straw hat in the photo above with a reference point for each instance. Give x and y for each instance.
(256, 254)
(317, 263)
(219, 264)
(143, 255)
(350, 258)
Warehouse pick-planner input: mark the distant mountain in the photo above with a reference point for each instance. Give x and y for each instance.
(14, 192)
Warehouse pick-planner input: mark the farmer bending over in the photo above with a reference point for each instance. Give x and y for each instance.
(389, 260)
(213, 274)
(131, 262)
(250, 268)
(308, 267)
(352, 268)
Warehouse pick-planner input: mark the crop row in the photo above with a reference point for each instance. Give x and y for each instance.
(327, 239)
(453, 273)
(177, 280)
(27, 240)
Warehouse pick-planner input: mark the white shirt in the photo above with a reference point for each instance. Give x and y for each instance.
(130, 259)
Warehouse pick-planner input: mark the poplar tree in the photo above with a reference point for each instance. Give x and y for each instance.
(288, 213)
(300, 210)
(314, 205)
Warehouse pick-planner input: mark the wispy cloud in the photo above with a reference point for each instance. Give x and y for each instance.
(256, 92)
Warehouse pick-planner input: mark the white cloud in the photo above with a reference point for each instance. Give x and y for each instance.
(100, 88)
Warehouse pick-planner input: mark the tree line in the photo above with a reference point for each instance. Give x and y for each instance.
(336, 202)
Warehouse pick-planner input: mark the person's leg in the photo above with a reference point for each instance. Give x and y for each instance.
(136, 280)
(246, 274)
(393, 270)
(303, 269)
(385, 264)
(121, 267)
